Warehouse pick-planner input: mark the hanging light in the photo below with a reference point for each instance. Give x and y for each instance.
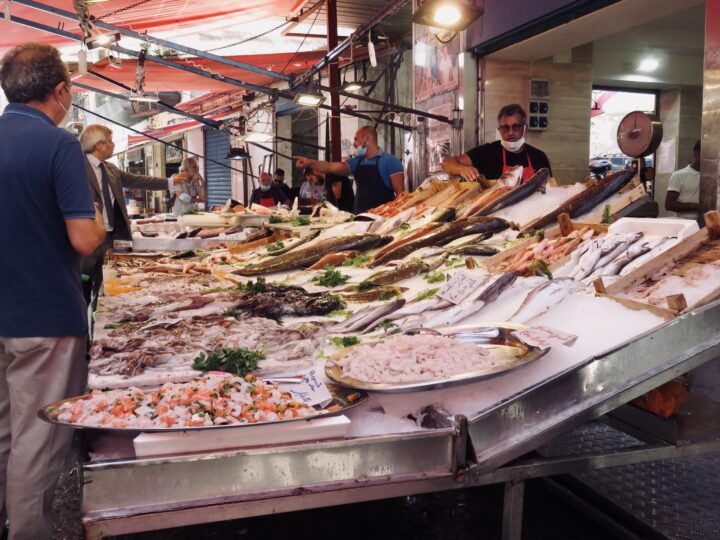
(237, 150)
(310, 96)
(95, 39)
(258, 137)
(142, 97)
(453, 15)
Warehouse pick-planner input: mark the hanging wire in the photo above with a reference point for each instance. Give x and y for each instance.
(251, 38)
(302, 42)
(120, 10)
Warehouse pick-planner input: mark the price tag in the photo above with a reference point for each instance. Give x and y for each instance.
(234, 236)
(311, 390)
(544, 337)
(458, 287)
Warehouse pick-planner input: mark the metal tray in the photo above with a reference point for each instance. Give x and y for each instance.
(497, 337)
(346, 398)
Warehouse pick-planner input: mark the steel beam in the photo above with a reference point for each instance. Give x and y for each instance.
(155, 40)
(334, 78)
(710, 151)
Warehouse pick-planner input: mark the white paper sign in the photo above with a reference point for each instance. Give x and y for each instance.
(234, 236)
(311, 390)
(458, 287)
(545, 337)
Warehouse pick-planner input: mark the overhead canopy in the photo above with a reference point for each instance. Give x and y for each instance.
(160, 78)
(151, 16)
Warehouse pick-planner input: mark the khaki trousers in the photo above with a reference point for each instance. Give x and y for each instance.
(34, 372)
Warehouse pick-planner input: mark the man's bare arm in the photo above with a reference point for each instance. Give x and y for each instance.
(334, 167)
(86, 234)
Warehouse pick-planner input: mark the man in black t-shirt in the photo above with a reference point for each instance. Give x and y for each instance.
(490, 161)
(338, 191)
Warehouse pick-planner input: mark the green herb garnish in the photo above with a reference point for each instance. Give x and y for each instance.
(386, 325)
(405, 227)
(330, 278)
(360, 260)
(345, 341)
(252, 287)
(301, 221)
(230, 313)
(607, 216)
(277, 219)
(240, 361)
(540, 268)
(215, 290)
(114, 326)
(275, 246)
(424, 295)
(339, 313)
(192, 212)
(387, 295)
(540, 234)
(365, 286)
(435, 277)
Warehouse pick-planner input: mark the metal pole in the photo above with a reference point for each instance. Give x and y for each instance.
(334, 80)
(710, 151)
(455, 142)
(420, 165)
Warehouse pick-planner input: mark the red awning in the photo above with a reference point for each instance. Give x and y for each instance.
(152, 16)
(159, 78)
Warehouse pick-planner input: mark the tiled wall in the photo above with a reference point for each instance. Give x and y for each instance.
(567, 141)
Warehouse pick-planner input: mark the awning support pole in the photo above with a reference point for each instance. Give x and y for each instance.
(334, 79)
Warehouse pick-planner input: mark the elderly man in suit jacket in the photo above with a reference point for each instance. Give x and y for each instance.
(106, 184)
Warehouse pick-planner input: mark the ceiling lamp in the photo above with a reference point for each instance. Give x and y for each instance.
(95, 40)
(452, 15)
(648, 65)
(309, 99)
(354, 86)
(255, 136)
(236, 152)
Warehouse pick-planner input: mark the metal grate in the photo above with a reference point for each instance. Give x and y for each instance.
(679, 498)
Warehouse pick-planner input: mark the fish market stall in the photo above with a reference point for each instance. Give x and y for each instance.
(419, 350)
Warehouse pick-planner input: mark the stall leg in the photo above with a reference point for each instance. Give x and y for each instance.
(513, 510)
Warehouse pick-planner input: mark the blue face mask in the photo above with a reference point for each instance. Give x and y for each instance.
(265, 187)
(360, 151)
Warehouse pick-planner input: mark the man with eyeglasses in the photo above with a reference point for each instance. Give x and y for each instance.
(106, 184)
(492, 160)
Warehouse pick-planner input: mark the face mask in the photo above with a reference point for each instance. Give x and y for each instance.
(66, 119)
(360, 151)
(265, 187)
(513, 146)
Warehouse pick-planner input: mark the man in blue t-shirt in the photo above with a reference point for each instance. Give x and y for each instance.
(47, 222)
(379, 176)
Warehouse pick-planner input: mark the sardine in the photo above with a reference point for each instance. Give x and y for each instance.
(292, 245)
(586, 200)
(311, 253)
(656, 246)
(630, 255)
(365, 318)
(610, 254)
(443, 235)
(538, 182)
(587, 262)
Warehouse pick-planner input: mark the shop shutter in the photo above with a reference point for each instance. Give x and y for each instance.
(217, 177)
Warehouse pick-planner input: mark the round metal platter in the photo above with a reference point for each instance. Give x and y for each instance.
(499, 340)
(346, 398)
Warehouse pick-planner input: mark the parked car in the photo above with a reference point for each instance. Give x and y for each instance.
(620, 162)
(600, 166)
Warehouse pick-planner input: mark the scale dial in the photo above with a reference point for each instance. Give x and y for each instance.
(639, 134)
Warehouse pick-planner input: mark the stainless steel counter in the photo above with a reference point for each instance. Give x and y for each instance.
(133, 495)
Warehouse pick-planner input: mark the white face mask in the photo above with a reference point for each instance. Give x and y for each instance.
(513, 146)
(66, 119)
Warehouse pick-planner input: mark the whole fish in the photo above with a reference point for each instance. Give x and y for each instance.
(311, 253)
(477, 250)
(513, 176)
(460, 312)
(543, 297)
(610, 255)
(405, 271)
(374, 294)
(635, 251)
(417, 233)
(418, 308)
(586, 200)
(588, 261)
(292, 245)
(538, 182)
(485, 198)
(366, 317)
(334, 259)
(442, 215)
(443, 235)
(657, 246)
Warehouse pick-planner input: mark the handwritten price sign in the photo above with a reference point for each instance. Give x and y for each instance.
(311, 390)
(458, 287)
(544, 337)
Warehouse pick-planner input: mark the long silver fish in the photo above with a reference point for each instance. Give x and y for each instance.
(588, 261)
(657, 246)
(418, 308)
(366, 317)
(543, 297)
(626, 258)
(613, 253)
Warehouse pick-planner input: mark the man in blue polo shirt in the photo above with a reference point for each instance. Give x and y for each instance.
(379, 176)
(47, 222)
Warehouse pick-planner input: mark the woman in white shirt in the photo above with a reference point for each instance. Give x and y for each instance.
(190, 192)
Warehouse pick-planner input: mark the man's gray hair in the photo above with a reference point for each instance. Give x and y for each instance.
(92, 135)
(30, 72)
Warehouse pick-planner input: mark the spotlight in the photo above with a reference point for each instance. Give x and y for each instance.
(309, 99)
(101, 40)
(447, 14)
(142, 97)
(237, 152)
(355, 86)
